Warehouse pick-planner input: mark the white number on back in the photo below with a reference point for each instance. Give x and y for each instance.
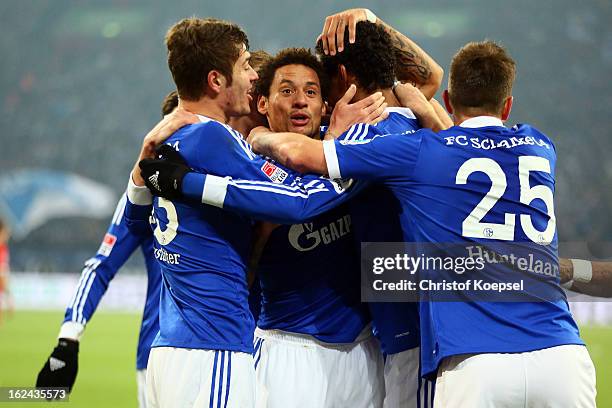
(473, 227)
(166, 236)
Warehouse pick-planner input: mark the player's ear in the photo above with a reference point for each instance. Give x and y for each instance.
(343, 77)
(262, 105)
(216, 81)
(507, 108)
(447, 104)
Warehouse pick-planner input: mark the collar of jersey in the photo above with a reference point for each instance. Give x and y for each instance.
(203, 118)
(481, 121)
(402, 111)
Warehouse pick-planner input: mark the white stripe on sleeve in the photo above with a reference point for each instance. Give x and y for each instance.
(81, 319)
(331, 158)
(119, 210)
(214, 191)
(365, 132)
(139, 195)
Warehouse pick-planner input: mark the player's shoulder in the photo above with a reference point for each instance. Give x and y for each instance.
(400, 120)
(359, 132)
(399, 114)
(526, 130)
(208, 128)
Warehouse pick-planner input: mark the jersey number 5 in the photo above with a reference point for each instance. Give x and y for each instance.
(166, 236)
(473, 227)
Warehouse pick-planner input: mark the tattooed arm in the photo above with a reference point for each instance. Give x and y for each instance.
(412, 64)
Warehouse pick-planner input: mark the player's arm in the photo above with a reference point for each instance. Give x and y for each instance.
(447, 121)
(296, 151)
(412, 63)
(138, 208)
(381, 158)
(274, 202)
(61, 367)
(587, 277)
(411, 97)
(378, 159)
(252, 186)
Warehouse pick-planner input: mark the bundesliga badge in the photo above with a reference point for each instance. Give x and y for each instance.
(274, 173)
(107, 244)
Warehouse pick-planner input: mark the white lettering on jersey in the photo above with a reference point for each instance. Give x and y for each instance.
(489, 144)
(167, 257)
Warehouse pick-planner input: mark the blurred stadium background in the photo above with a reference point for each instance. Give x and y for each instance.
(82, 83)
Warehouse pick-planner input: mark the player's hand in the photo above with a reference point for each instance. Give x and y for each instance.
(255, 133)
(370, 110)
(332, 35)
(165, 128)
(164, 175)
(60, 369)
(156, 136)
(411, 97)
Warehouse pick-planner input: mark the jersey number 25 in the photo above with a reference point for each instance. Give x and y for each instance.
(472, 225)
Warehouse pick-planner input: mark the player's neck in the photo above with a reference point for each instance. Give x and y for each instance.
(243, 124)
(390, 98)
(206, 107)
(459, 118)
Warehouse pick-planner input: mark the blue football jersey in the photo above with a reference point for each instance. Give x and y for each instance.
(478, 183)
(308, 279)
(376, 218)
(203, 250)
(118, 245)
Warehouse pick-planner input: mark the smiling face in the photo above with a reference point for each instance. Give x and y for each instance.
(295, 103)
(239, 92)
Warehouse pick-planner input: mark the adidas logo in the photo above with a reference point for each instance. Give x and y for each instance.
(153, 181)
(56, 364)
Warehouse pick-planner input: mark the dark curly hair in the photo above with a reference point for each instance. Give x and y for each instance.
(290, 56)
(370, 58)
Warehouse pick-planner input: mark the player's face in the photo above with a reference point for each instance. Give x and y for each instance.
(239, 93)
(295, 103)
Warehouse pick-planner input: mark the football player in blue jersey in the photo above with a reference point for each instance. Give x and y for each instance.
(363, 58)
(466, 185)
(60, 369)
(312, 321)
(202, 353)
